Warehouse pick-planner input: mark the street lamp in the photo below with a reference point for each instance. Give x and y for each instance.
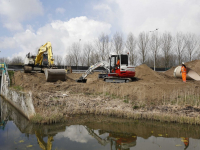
(154, 52)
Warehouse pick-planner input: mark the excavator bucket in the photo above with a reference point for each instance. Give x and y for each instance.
(81, 80)
(53, 75)
(27, 69)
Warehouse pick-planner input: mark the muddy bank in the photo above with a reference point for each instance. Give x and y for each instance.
(154, 96)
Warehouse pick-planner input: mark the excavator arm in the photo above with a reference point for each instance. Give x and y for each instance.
(45, 49)
(91, 69)
(42, 144)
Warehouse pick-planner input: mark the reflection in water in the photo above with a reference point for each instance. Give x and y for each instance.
(92, 132)
(75, 133)
(120, 141)
(2, 120)
(42, 144)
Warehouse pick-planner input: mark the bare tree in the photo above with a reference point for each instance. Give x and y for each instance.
(173, 60)
(167, 43)
(191, 44)
(75, 53)
(197, 56)
(94, 57)
(88, 49)
(130, 46)
(58, 60)
(154, 44)
(142, 44)
(180, 46)
(17, 60)
(4, 60)
(118, 43)
(82, 59)
(103, 46)
(69, 60)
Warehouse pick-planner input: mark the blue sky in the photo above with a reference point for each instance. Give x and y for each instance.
(28, 24)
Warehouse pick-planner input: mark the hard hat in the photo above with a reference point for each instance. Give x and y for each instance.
(183, 63)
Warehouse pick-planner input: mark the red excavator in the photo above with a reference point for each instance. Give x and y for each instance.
(118, 70)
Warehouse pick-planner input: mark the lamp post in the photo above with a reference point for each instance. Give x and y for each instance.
(154, 52)
(79, 46)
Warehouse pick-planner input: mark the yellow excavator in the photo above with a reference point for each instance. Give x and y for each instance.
(42, 144)
(44, 60)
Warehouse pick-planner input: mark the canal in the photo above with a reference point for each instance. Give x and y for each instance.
(93, 133)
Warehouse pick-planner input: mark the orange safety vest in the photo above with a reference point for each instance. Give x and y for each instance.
(118, 63)
(183, 70)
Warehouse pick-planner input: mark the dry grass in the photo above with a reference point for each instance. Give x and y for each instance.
(57, 108)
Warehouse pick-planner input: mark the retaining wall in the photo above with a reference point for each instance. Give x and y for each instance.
(20, 100)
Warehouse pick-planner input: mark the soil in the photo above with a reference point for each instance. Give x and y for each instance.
(151, 92)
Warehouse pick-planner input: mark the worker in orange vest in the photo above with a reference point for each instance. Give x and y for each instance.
(184, 72)
(186, 142)
(118, 62)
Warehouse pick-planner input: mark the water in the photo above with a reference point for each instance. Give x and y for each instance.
(94, 132)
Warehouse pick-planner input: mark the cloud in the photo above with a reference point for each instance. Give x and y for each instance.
(75, 133)
(60, 10)
(12, 13)
(171, 15)
(108, 11)
(60, 33)
(102, 7)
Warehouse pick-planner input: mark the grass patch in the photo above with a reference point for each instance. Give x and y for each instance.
(136, 107)
(18, 88)
(11, 76)
(36, 118)
(126, 101)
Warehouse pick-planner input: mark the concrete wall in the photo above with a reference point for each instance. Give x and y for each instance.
(20, 100)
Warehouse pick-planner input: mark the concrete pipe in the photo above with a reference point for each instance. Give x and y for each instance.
(53, 75)
(191, 74)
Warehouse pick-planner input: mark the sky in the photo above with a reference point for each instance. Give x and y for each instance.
(25, 25)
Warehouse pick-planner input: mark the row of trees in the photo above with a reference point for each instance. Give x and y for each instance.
(165, 49)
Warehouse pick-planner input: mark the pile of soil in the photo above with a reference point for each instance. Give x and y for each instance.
(194, 65)
(145, 73)
(150, 90)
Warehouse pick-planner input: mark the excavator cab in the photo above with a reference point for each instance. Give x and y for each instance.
(113, 63)
(45, 59)
(123, 58)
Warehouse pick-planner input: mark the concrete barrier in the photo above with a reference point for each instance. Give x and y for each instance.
(20, 100)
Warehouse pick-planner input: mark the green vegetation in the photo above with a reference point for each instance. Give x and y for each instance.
(11, 76)
(136, 107)
(36, 118)
(126, 101)
(18, 88)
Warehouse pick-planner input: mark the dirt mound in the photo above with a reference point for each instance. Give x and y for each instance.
(21, 78)
(76, 76)
(170, 72)
(146, 73)
(194, 65)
